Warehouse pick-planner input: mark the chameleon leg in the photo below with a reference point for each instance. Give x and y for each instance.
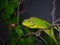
(51, 34)
(38, 33)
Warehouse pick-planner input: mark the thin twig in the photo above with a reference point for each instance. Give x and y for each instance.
(49, 27)
(53, 12)
(21, 2)
(18, 13)
(24, 36)
(35, 33)
(43, 40)
(38, 40)
(22, 12)
(57, 20)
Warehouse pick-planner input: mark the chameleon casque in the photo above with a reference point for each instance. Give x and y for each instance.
(34, 22)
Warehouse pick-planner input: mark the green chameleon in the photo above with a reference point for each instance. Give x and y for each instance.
(38, 23)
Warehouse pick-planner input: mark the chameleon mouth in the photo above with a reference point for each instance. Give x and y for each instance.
(29, 26)
(23, 24)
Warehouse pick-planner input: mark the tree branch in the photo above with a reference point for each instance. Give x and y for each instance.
(21, 2)
(35, 33)
(53, 12)
(57, 20)
(43, 40)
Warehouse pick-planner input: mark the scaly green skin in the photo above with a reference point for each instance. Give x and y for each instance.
(35, 22)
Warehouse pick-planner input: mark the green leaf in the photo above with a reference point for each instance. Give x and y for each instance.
(26, 41)
(5, 15)
(48, 39)
(10, 9)
(7, 22)
(19, 31)
(3, 4)
(29, 41)
(13, 0)
(14, 3)
(21, 42)
(12, 41)
(14, 20)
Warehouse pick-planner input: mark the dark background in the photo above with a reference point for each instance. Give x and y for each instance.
(40, 8)
(36, 8)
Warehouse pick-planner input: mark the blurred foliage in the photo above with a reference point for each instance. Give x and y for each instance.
(18, 31)
(8, 7)
(9, 14)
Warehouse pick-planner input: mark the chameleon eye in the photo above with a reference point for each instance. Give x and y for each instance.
(32, 23)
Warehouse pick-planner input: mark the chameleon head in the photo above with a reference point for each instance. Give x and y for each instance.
(29, 23)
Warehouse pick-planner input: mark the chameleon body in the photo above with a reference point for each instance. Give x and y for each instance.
(34, 22)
